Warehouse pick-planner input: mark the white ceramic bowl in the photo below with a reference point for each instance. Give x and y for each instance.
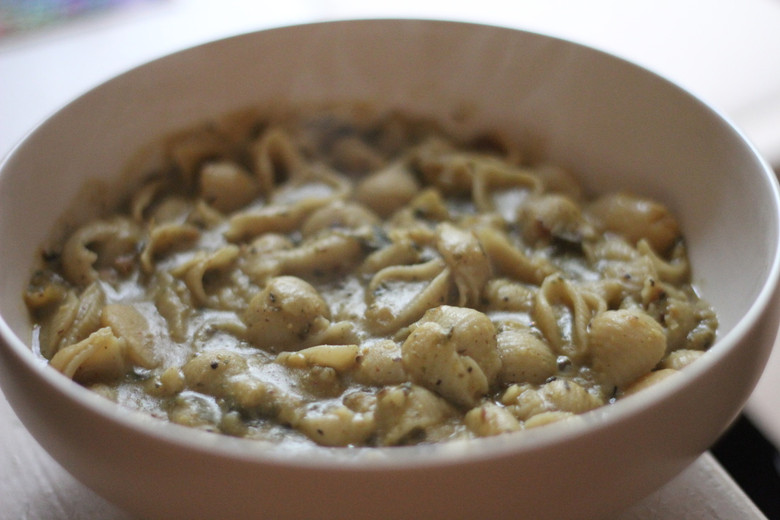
(615, 124)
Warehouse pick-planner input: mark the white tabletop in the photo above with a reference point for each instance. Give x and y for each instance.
(724, 52)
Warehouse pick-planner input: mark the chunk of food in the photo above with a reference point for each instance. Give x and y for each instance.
(387, 190)
(98, 357)
(551, 216)
(491, 419)
(285, 313)
(100, 249)
(336, 426)
(525, 358)
(466, 260)
(624, 345)
(635, 218)
(226, 186)
(337, 357)
(127, 322)
(452, 351)
(379, 364)
(407, 413)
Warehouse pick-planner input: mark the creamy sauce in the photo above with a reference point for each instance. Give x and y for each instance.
(384, 285)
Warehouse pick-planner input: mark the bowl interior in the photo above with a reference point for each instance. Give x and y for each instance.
(615, 125)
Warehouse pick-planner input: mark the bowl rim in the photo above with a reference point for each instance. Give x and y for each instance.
(427, 455)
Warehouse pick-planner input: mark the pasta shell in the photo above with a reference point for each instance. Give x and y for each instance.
(509, 261)
(165, 238)
(98, 357)
(466, 261)
(388, 189)
(624, 345)
(100, 242)
(562, 312)
(285, 313)
(408, 410)
(400, 295)
(525, 358)
(452, 351)
(491, 419)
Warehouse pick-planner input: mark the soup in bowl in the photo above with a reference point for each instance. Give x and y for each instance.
(417, 308)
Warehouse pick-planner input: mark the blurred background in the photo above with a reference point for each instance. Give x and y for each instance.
(727, 53)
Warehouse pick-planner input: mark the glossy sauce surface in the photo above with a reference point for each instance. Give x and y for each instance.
(356, 279)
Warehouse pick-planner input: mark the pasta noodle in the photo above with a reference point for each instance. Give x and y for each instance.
(345, 278)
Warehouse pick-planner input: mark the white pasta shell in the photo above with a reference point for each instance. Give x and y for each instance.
(400, 294)
(115, 237)
(164, 238)
(226, 186)
(211, 372)
(509, 261)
